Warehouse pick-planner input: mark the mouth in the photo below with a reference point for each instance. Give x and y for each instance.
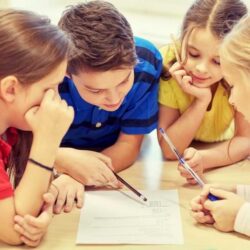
(196, 78)
(115, 105)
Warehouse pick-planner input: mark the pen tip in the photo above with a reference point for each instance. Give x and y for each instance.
(161, 130)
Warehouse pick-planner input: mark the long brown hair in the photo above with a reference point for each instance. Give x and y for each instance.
(30, 48)
(219, 16)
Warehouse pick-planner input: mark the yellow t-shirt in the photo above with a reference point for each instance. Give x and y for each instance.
(218, 122)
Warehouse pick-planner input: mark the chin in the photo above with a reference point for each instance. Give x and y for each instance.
(201, 85)
(23, 127)
(110, 109)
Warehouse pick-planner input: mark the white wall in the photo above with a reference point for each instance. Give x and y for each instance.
(151, 19)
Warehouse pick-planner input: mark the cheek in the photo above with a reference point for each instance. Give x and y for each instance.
(217, 73)
(189, 65)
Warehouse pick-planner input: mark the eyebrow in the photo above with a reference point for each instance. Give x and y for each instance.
(124, 80)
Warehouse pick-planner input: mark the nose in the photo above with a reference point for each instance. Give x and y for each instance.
(201, 67)
(113, 96)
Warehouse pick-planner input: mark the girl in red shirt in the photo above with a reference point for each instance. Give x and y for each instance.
(33, 63)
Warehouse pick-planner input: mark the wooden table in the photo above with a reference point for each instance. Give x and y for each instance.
(150, 172)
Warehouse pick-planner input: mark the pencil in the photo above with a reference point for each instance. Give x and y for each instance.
(142, 197)
(178, 58)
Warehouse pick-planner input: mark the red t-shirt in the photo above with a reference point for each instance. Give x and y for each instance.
(6, 189)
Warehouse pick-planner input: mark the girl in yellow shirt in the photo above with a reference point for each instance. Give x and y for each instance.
(193, 95)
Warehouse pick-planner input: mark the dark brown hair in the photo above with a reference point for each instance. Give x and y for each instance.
(101, 35)
(30, 48)
(219, 16)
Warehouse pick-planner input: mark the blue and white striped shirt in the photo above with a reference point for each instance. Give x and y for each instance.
(95, 128)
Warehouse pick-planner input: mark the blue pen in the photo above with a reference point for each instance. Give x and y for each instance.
(184, 163)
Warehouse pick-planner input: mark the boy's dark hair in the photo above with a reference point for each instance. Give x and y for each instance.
(102, 37)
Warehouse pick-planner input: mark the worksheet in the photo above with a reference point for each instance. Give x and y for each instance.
(119, 217)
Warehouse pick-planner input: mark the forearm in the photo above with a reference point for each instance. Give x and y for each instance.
(226, 153)
(183, 130)
(35, 181)
(123, 154)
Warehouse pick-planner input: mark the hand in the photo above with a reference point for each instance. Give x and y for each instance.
(32, 229)
(199, 212)
(224, 211)
(194, 158)
(51, 119)
(67, 192)
(88, 167)
(185, 81)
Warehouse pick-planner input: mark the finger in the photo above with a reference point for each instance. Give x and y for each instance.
(184, 173)
(80, 197)
(60, 201)
(174, 67)
(178, 75)
(36, 224)
(187, 80)
(189, 153)
(191, 181)
(48, 96)
(49, 200)
(53, 190)
(107, 160)
(70, 200)
(195, 204)
(29, 233)
(111, 179)
(205, 191)
(220, 193)
(209, 205)
(203, 218)
(30, 242)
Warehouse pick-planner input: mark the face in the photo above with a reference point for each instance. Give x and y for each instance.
(239, 85)
(105, 89)
(29, 96)
(202, 54)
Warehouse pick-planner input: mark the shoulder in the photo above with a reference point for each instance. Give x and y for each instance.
(167, 53)
(146, 50)
(64, 85)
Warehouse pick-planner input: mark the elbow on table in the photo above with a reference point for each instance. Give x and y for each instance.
(168, 155)
(12, 239)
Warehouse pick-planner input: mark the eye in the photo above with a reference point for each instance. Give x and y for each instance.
(95, 91)
(217, 62)
(193, 54)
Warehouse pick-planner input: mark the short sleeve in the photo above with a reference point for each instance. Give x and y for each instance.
(141, 115)
(6, 189)
(167, 95)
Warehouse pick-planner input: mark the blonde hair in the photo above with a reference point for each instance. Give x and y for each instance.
(236, 46)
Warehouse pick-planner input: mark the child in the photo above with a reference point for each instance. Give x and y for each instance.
(112, 84)
(231, 213)
(193, 98)
(29, 101)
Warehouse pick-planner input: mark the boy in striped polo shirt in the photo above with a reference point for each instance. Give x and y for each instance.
(112, 84)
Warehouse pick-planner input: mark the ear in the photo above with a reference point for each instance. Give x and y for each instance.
(8, 88)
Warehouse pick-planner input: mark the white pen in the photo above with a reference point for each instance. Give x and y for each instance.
(184, 163)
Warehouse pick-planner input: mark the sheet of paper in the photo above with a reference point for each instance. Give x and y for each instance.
(115, 217)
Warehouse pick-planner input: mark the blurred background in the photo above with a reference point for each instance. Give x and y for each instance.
(151, 19)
